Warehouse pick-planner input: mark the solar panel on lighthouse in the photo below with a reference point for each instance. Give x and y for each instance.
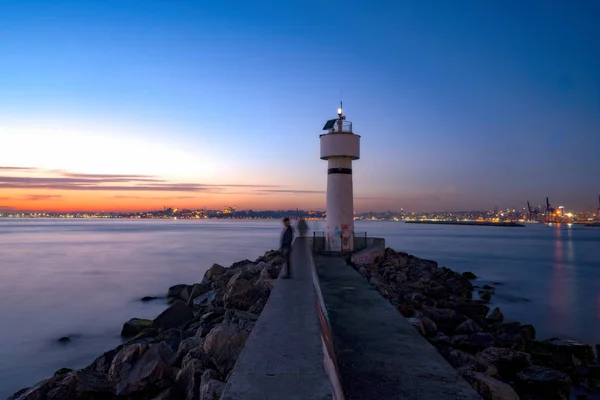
(329, 124)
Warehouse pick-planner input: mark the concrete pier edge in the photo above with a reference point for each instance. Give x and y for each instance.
(329, 357)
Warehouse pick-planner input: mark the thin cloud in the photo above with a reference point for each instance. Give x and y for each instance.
(17, 168)
(40, 180)
(290, 191)
(132, 188)
(248, 186)
(372, 198)
(4, 198)
(73, 181)
(42, 197)
(113, 177)
(153, 198)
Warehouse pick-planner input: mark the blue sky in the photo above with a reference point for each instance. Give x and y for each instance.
(460, 105)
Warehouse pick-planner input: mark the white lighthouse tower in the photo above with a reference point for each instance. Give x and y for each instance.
(340, 146)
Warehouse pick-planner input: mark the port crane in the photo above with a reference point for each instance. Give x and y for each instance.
(549, 212)
(533, 212)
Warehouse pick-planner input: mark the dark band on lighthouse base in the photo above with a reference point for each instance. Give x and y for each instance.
(347, 171)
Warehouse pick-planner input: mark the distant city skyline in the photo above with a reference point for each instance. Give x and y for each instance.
(461, 105)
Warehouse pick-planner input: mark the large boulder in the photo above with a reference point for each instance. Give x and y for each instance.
(424, 325)
(186, 346)
(436, 291)
(179, 292)
(206, 300)
(258, 307)
(143, 369)
(225, 342)
(490, 388)
(465, 361)
(469, 275)
(443, 317)
(188, 380)
(380, 285)
(241, 317)
(211, 316)
(211, 388)
(125, 358)
(196, 353)
(407, 309)
(457, 285)
(102, 363)
(268, 275)
(477, 342)
(271, 270)
(73, 385)
(496, 315)
(240, 293)
(186, 293)
(171, 337)
(18, 394)
(507, 361)
(473, 309)
(441, 341)
(213, 272)
(239, 264)
(581, 351)
(167, 394)
(469, 327)
(83, 384)
(197, 289)
(513, 328)
(135, 326)
(255, 268)
(510, 341)
(528, 332)
(429, 327)
(400, 261)
(544, 383)
(539, 352)
(38, 391)
(178, 314)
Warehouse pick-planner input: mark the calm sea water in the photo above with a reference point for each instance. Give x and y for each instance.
(84, 278)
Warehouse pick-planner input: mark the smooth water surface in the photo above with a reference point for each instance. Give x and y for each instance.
(84, 278)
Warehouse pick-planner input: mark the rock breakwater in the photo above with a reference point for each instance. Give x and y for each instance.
(187, 352)
(501, 359)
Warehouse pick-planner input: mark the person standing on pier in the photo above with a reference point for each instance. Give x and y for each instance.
(286, 246)
(302, 227)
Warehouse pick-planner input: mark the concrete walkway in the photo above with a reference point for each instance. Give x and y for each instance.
(283, 357)
(380, 355)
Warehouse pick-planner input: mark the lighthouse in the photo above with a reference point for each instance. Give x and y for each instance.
(340, 146)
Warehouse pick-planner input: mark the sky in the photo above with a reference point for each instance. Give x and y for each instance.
(141, 104)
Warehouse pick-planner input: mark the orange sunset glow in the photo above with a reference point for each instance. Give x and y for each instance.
(37, 189)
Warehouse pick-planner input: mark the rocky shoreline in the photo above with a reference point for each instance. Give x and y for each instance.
(187, 352)
(501, 360)
(190, 349)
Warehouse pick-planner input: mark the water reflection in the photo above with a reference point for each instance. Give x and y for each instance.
(570, 252)
(561, 284)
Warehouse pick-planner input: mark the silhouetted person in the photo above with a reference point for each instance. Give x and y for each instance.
(302, 227)
(286, 246)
